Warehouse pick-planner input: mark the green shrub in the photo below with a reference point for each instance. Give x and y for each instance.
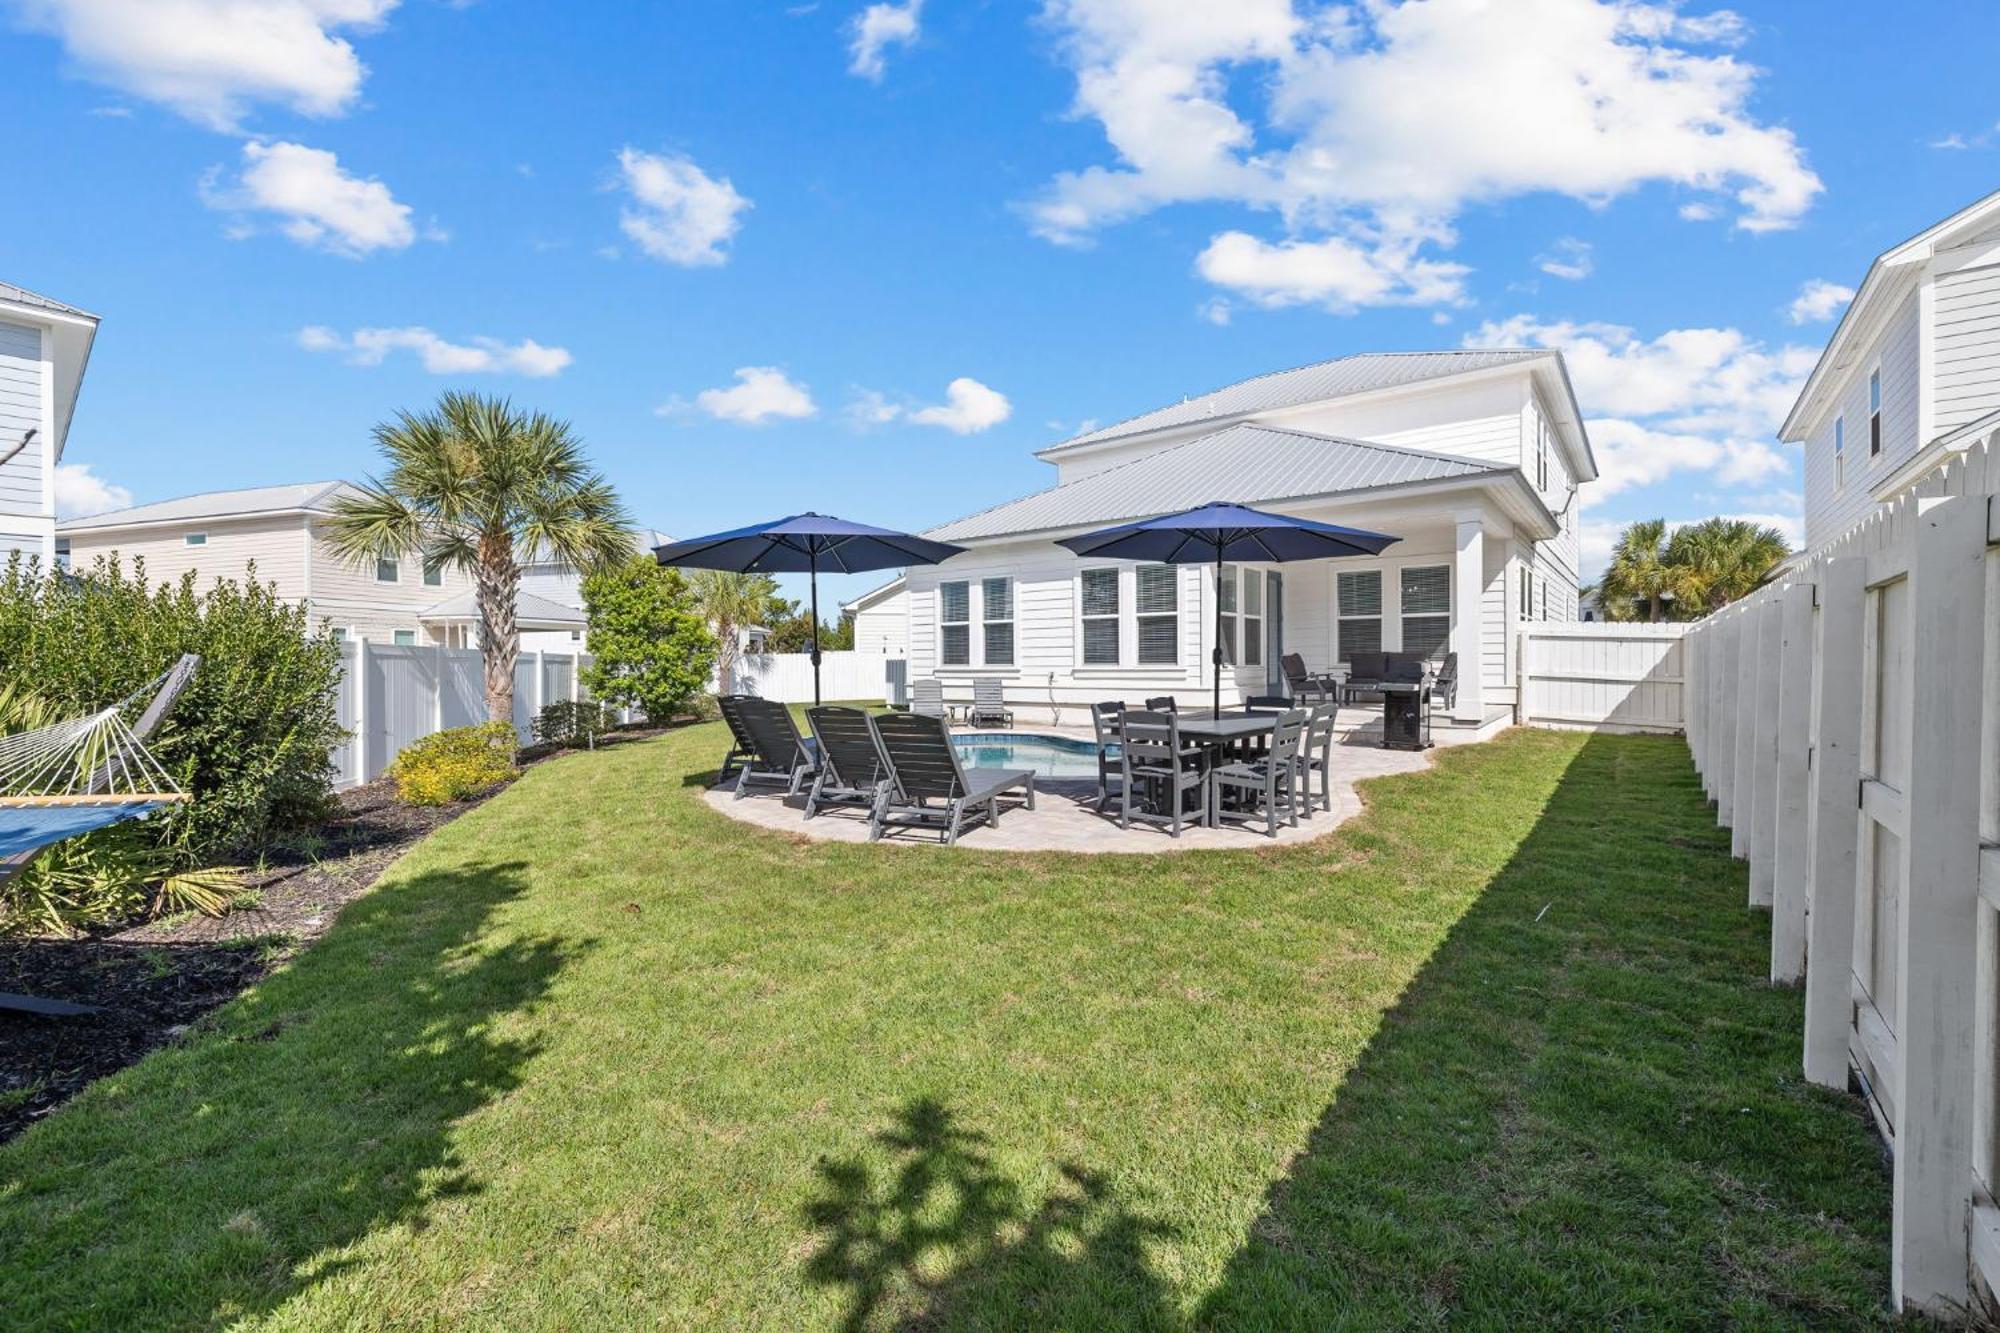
(650, 645)
(248, 739)
(454, 764)
(570, 723)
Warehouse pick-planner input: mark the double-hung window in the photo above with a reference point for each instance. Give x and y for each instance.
(1359, 593)
(1839, 453)
(387, 571)
(433, 574)
(1225, 596)
(1527, 593)
(1426, 609)
(1541, 455)
(955, 623)
(996, 618)
(1874, 412)
(1100, 617)
(1253, 617)
(1158, 602)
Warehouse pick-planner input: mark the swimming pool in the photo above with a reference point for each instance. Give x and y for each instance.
(1048, 756)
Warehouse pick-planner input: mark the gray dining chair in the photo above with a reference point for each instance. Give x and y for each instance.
(1268, 786)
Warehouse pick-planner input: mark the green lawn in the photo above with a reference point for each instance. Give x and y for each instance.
(593, 1056)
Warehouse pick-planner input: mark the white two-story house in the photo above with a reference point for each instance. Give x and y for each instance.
(44, 347)
(1911, 374)
(1471, 459)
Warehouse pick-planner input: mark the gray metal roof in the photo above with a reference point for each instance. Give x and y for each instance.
(22, 296)
(1338, 378)
(1246, 464)
(216, 504)
(530, 612)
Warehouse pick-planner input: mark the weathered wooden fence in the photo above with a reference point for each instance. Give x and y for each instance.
(1846, 722)
(1601, 676)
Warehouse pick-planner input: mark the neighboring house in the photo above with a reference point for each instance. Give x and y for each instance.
(44, 347)
(1471, 458)
(882, 619)
(278, 529)
(1911, 375)
(561, 586)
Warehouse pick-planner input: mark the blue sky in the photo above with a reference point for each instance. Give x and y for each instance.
(865, 258)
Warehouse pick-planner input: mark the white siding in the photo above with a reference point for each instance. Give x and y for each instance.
(275, 544)
(884, 628)
(1830, 511)
(1967, 343)
(21, 392)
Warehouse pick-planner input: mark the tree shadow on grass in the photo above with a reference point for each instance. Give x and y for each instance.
(1586, 1110)
(946, 1240)
(223, 1175)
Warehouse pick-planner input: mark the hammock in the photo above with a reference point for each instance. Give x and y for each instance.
(75, 777)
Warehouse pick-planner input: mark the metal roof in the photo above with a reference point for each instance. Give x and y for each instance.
(22, 296)
(1245, 463)
(1338, 378)
(216, 504)
(531, 612)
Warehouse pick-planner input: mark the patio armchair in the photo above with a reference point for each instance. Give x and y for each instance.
(1305, 686)
(1105, 721)
(927, 698)
(1316, 757)
(741, 747)
(1266, 703)
(1446, 684)
(1269, 786)
(928, 788)
(850, 770)
(780, 756)
(989, 704)
(1364, 674)
(1152, 754)
(1162, 703)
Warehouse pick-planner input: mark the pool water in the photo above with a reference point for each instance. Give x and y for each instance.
(1048, 756)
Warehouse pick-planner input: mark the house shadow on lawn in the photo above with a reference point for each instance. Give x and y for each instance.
(221, 1176)
(944, 1239)
(1586, 1110)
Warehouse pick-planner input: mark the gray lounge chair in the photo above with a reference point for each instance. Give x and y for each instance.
(1105, 721)
(927, 698)
(781, 757)
(850, 771)
(1269, 784)
(1153, 756)
(989, 704)
(928, 788)
(741, 747)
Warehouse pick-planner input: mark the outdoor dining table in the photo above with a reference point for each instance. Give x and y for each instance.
(1230, 735)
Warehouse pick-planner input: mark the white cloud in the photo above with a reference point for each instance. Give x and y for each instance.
(210, 60)
(1372, 127)
(876, 28)
(678, 212)
(371, 347)
(760, 394)
(969, 407)
(1961, 142)
(869, 408)
(1216, 311)
(1818, 301)
(315, 203)
(81, 492)
(1333, 272)
(1568, 258)
(1690, 400)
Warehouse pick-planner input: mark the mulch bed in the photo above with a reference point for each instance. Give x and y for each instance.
(154, 980)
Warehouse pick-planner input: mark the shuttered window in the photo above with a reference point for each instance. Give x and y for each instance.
(1158, 602)
(996, 610)
(1253, 618)
(1100, 617)
(1426, 609)
(1359, 594)
(955, 623)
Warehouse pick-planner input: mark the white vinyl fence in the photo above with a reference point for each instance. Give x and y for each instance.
(1847, 724)
(788, 677)
(389, 696)
(1602, 677)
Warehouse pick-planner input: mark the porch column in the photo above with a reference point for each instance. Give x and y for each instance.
(1468, 588)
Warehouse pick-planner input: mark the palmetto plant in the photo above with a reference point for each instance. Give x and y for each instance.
(1641, 583)
(1725, 558)
(474, 484)
(731, 601)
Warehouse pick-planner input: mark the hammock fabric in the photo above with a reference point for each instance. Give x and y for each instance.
(29, 828)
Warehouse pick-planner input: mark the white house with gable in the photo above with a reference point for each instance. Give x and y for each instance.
(1911, 374)
(1472, 459)
(44, 347)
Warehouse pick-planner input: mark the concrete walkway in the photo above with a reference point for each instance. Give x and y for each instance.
(1063, 821)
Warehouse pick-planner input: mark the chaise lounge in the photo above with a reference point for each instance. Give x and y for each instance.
(780, 757)
(928, 788)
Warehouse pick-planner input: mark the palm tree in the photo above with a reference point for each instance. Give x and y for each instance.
(731, 601)
(473, 484)
(1725, 558)
(1640, 575)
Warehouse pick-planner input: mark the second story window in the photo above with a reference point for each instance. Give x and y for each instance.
(1839, 453)
(386, 571)
(1541, 455)
(1874, 412)
(196, 539)
(433, 574)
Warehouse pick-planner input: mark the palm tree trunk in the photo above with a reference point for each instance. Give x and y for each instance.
(497, 582)
(727, 643)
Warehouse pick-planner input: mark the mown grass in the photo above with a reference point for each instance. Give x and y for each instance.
(1493, 1055)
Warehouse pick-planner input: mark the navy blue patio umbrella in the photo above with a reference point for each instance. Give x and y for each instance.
(805, 544)
(1218, 531)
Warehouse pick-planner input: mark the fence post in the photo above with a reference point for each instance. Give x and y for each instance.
(1794, 663)
(437, 686)
(1743, 795)
(360, 710)
(1834, 783)
(1722, 703)
(1692, 698)
(1764, 759)
(1936, 917)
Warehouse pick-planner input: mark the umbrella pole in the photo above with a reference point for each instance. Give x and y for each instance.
(1215, 653)
(812, 559)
